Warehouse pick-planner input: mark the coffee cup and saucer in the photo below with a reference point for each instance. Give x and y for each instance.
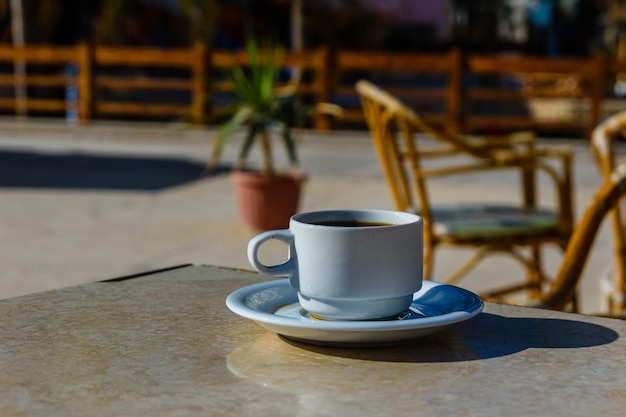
(353, 277)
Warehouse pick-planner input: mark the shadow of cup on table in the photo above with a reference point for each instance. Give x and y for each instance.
(483, 337)
(279, 362)
(491, 335)
(320, 378)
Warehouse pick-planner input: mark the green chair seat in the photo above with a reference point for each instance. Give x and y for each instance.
(490, 221)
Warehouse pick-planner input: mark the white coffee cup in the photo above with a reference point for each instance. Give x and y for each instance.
(360, 271)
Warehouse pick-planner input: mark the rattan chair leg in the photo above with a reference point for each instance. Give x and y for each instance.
(534, 275)
(429, 263)
(466, 267)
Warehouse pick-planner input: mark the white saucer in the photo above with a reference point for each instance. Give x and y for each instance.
(274, 305)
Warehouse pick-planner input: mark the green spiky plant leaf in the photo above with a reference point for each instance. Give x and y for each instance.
(260, 106)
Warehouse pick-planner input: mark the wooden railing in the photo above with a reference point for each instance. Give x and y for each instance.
(44, 58)
(558, 94)
(120, 77)
(429, 82)
(462, 92)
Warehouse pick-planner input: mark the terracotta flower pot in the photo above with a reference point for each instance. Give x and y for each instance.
(267, 202)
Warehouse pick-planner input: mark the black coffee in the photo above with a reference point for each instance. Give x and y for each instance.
(351, 223)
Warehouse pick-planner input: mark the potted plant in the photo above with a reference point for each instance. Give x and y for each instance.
(267, 198)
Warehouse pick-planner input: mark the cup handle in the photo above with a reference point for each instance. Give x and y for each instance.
(288, 268)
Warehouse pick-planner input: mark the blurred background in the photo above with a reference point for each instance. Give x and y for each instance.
(543, 27)
(89, 201)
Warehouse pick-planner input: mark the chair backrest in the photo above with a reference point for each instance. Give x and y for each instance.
(377, 101)
(394, 129)
(379, 109)
(606, 198)
(603, 140)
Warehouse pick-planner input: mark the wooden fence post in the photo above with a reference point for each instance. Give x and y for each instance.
(324, 69)
(599, 74)
(85, 53)
(199, 88)
(455, 91)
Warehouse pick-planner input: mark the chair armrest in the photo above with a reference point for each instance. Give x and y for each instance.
(329, 109)
(529, 162)
(526, 138)
(518, 157)
(537, 160)
(562, 181)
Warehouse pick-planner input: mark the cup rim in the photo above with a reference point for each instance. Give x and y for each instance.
(393, 217)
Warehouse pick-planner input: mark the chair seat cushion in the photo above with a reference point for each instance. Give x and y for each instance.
(490, 221)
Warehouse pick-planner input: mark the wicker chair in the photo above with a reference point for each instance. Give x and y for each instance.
(613, 283)
(562, 290)
(518, 230)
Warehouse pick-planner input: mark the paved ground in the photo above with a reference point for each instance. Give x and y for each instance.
(86, 203)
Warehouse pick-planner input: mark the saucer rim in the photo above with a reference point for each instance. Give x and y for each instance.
(236, 303)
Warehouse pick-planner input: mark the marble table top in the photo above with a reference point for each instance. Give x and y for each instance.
(165, 344)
